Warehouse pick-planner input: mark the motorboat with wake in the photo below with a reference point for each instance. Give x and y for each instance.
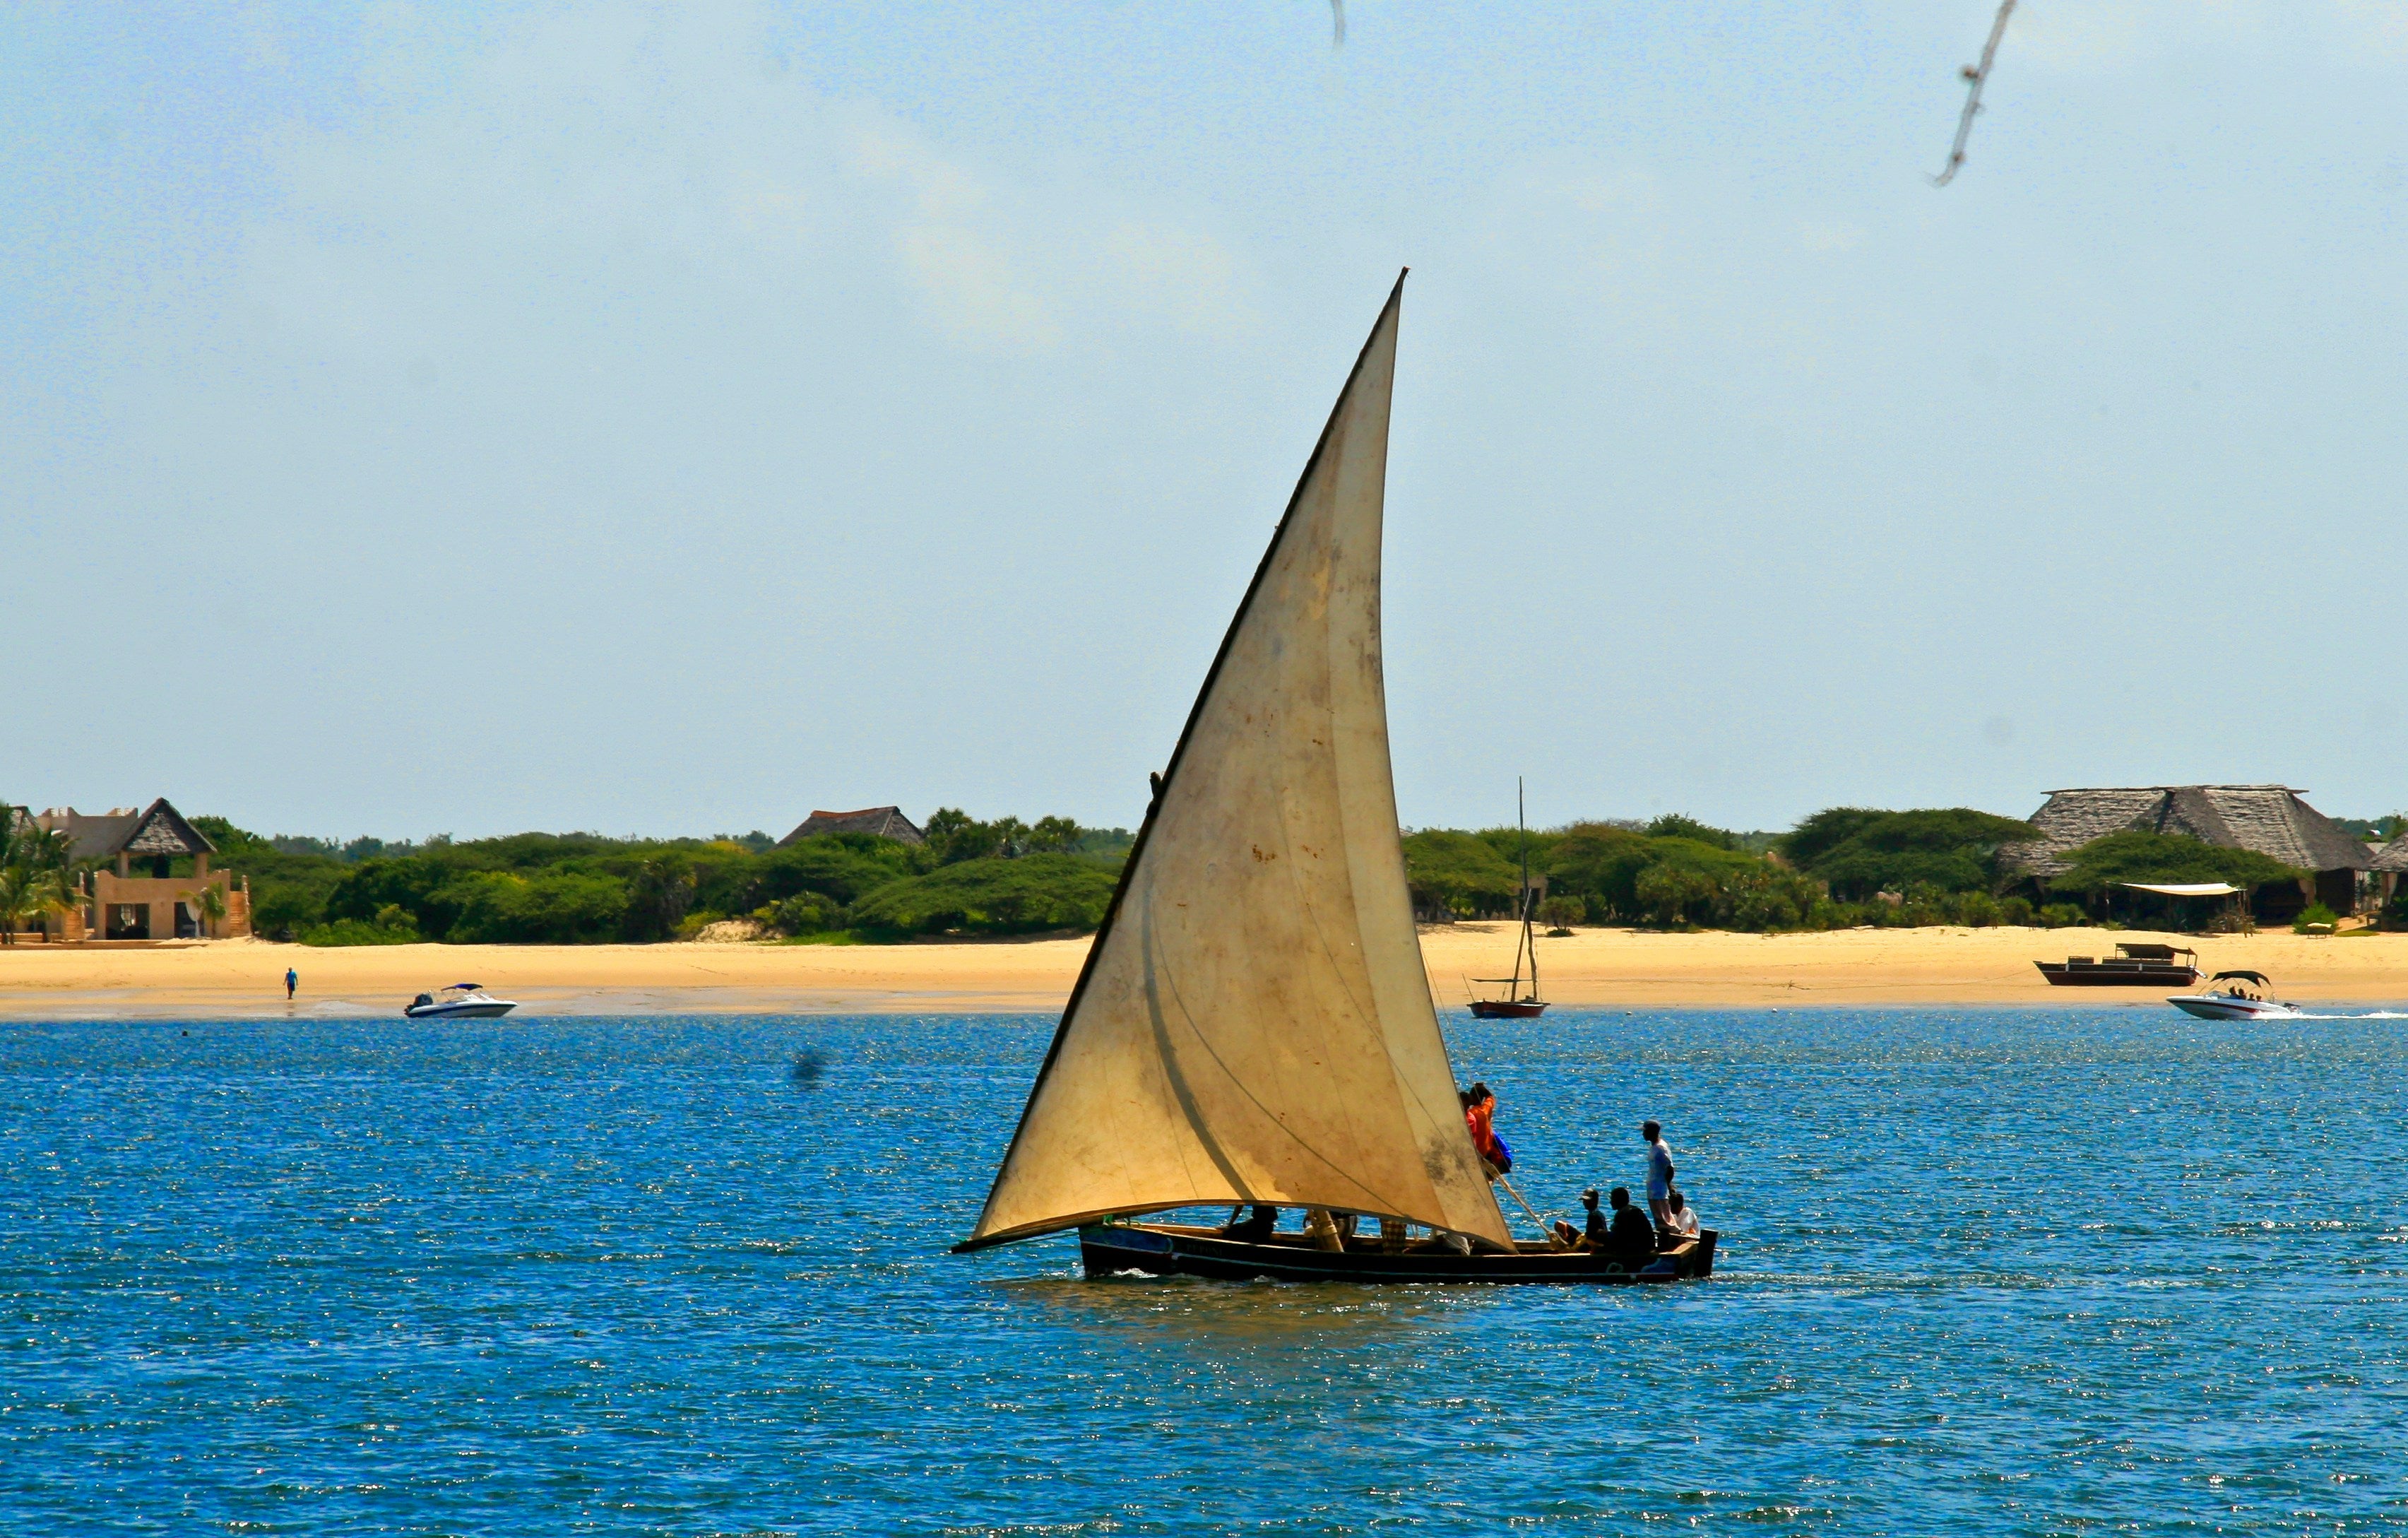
(460, 1001)
(2242, 997)
(1254, 1023)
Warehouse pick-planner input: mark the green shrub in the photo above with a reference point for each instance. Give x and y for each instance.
(991, 897)
(354, 932)
(1977, 910)
(804, 914)
(1600, 863)
(2015, 911)
(500, 908)
(2315, 913)
(282, 912)
(2138, 855)
(1675, 896)
(1459, 872)
(1861, 852)
(1563, 912)
(2061, 915)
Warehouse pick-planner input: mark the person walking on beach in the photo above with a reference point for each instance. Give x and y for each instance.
(292, 981)
(1659, 1174)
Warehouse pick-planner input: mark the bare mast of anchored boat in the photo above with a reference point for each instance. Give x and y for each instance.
(1522, 823)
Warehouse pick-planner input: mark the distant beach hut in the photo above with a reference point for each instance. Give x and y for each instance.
(2389, 861)
(116, 904)
(2273, 820)
(884, 822)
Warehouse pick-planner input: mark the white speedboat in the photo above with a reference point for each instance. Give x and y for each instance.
(2242, 997)
(460, 1001)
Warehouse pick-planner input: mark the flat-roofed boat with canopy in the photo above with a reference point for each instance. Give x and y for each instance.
(1254, 1023)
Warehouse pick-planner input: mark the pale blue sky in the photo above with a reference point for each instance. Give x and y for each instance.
(672, 419)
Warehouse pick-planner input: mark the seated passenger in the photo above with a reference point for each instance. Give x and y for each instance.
(1631, 1240)
(1681, 1219)
(1597, 1231)
(1254, 1228)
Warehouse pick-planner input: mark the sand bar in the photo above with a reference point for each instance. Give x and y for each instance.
(1594, 967)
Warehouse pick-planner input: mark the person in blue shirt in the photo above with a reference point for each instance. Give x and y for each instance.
(292, 981)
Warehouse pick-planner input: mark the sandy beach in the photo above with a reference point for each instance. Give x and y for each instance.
(1594, 967)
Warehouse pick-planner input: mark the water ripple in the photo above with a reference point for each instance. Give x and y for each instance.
(1985, 1272)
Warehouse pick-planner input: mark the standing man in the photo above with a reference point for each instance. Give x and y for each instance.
(293, 981)
(1659, 1176)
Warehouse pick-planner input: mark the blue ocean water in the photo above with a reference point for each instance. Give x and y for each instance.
(1983, 1272)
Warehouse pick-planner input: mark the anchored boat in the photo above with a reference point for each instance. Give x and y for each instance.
(1254, 1023)
(1516, 1004)
(2135, 966)
(460, 1001)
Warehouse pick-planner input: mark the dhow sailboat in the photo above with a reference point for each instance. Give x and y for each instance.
(1254, 1023)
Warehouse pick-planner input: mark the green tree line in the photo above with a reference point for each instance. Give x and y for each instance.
(1004, 877)
(1837, 869)
(1843, 867)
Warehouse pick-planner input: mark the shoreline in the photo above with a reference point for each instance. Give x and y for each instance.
(1595, 968)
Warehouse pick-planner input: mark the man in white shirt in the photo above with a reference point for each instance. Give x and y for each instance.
(1683, 1221)
(1659, 1173)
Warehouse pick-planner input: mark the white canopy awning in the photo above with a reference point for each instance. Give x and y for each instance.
(2185, 890)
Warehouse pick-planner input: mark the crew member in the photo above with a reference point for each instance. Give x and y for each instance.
(1480, 1119)
(1631, 1240)
(1254, 1228)
(1683, 1218)
(1659, 1173)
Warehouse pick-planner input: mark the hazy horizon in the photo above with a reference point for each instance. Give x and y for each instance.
(659, 418)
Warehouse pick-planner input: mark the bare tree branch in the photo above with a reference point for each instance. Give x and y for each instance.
(1976, 77)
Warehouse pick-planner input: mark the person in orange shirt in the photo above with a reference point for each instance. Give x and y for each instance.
(1480, 1119)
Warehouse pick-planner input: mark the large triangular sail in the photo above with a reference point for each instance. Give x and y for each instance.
(1254, 1023)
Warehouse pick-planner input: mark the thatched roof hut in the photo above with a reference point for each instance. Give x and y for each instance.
(2271, 819)
(124, 833)
(886, 822)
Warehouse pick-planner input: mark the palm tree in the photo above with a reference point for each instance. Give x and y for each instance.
(28, 896)
(36, 872)
(210, 903)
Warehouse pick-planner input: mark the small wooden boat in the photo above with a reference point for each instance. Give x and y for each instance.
(1516, 1004)
(2242, 997)
(1254, 1023)
(1169, 1249)
(2136, 965)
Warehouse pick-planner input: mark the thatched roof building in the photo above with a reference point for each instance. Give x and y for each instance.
(2393, 857)
(123, 834)
(2271, 820)
(886, 822)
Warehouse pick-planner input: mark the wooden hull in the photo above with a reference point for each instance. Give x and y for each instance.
(2117, 974)
(1164, 1249)
(1507, 1009)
